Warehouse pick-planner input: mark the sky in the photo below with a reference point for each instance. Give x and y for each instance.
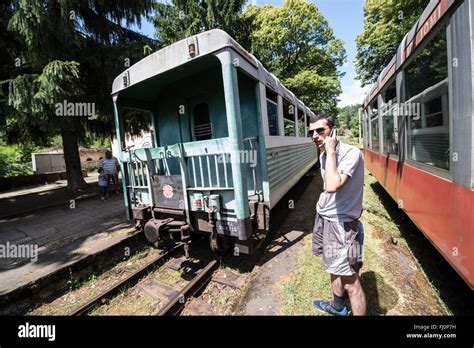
(346, 18)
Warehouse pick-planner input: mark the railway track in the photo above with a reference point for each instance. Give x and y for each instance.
(142, 281)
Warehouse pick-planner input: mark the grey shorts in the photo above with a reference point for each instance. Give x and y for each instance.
(340, 244)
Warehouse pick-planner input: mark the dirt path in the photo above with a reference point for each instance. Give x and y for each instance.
(293, 222)
(290, 277)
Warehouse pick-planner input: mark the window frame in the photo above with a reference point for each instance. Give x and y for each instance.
(268, 119)
(286, 102)
(392, 81)
(444, 173)
(193, 122)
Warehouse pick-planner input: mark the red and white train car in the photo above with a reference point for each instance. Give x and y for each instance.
(418, 129)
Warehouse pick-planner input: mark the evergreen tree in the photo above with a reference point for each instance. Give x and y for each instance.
(70, 51)
(179, 19)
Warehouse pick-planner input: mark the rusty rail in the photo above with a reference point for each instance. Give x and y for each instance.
(176, 305)
(131, 280)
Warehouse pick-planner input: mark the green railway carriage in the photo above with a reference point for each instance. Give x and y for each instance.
(229, 140)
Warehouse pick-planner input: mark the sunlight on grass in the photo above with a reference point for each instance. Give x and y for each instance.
(379, 274)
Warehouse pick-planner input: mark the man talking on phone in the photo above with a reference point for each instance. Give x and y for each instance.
(338, 234)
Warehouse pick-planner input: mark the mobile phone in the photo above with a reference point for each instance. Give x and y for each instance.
(333, 133)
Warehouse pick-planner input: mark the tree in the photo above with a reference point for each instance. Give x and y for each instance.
(385, 24)
(295, 43)
(349, 115)
(182, 18)
(70, 53)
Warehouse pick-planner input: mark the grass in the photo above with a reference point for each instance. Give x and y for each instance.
(386, 279)
(311, 282)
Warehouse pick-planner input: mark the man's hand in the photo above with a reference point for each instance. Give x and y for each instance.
(330, 142)
(329, 145)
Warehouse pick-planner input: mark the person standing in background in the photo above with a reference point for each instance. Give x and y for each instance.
(111, 167)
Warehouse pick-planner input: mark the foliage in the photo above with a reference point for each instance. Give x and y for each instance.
(70, 51)
(349, 115)
(295, 43)
(33, 96)
(179, 19)
(15, 159)
(386, 23)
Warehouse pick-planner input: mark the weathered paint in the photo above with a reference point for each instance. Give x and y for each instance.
(234, 125)
(230, 81)
(443, 210)
(286, 165)
(262, 123)
(119, 135)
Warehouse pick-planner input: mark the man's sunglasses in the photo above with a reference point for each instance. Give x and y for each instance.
(317, 130)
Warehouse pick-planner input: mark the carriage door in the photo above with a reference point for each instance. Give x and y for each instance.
(168, 183)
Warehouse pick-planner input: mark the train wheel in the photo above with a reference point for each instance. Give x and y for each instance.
(219, 243)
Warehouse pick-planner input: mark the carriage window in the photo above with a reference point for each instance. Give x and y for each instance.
(429, 67)
(374, 106)
(362, 128)
(272, 112)
(389, 144)
(374, 124)
(289, 118)
(271, 95)
(202, 122)
(426, 87)
(390, 94)
(301, 132)
(434, 112)
(389, 97)
(367, 128)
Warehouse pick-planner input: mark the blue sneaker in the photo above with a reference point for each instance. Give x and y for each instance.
(326, 307)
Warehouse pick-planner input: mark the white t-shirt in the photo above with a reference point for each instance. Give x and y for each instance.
(346, 204)
(109, 165)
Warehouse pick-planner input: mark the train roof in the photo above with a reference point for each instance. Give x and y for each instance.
(208, 42)
(428, 20)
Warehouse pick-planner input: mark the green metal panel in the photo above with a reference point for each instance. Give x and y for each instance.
(262, 162)
(235, 137)
(119, 133)
(250, 110)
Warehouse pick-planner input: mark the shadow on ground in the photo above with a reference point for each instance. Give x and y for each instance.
(452, 289)
(294, 212)
(380, 296)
